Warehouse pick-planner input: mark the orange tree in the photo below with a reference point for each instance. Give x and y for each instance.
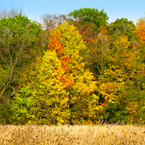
(140, 30)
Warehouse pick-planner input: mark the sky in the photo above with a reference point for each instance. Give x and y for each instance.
(34, 9)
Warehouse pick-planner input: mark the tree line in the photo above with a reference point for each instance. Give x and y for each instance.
(75, 69)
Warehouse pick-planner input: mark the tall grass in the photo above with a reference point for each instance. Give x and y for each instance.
(72, 135)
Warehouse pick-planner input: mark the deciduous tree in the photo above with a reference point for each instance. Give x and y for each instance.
(122, 27)
(87, 15)
(18, 49)
(61, 87)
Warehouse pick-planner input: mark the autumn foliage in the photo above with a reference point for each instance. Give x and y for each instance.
(60, 85)
(140, 29)
(78, 72)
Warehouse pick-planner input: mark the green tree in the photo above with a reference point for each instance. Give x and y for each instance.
(86, 15)
(122, 27)
(19, 47)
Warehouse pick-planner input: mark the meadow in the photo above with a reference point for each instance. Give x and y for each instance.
(72, 135)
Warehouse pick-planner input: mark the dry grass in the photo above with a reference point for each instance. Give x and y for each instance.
(72, 135)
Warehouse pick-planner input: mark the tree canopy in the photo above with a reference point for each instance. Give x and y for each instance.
(79, 70)
(91, 15)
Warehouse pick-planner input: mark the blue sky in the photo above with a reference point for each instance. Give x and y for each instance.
(130, 9)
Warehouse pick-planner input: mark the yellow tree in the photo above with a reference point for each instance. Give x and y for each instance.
(82, 91)
(115, 78)
(61, 89)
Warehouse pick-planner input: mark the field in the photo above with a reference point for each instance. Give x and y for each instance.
(72, 135)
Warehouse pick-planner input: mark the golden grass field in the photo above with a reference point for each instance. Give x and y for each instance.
(72, 135)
